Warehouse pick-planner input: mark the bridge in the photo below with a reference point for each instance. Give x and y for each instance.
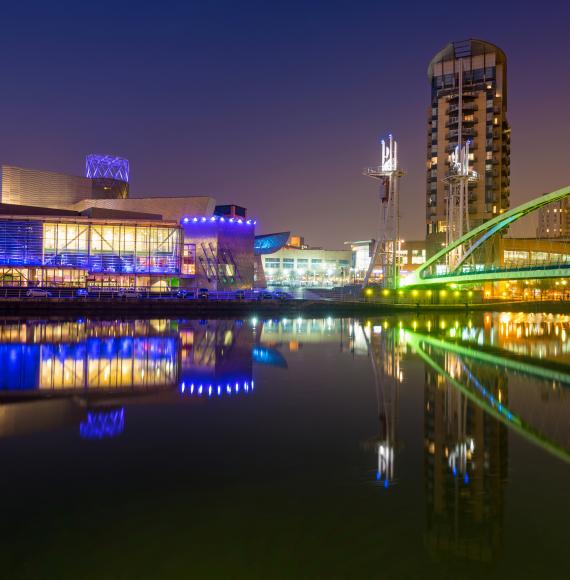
(482, 254)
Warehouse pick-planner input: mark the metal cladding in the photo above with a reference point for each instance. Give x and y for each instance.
(22, 186)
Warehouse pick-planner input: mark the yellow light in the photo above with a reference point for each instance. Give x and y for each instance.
(386, 292)
(429, 292)
(414, 292)
(456, 293)
(369, 292)
(442, 293)
(469, 293)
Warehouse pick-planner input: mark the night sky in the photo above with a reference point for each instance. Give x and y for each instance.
(277, 106)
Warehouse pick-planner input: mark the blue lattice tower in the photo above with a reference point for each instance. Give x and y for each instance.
(110, 175)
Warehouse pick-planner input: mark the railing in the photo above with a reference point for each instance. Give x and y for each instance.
(102, 294)
(492, 269)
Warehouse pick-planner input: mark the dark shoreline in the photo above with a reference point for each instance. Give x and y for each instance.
(216, 309)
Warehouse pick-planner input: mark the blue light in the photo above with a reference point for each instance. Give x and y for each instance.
(454, 471)
(231, 220)
(466, 479)
(107, 167)
(222, 219)
(213, 218)
(377, 476)
(186, 220)
(248, 222)
(195, 219)
(240, 221)
(102, 425)
(203, 219)
(385, 484)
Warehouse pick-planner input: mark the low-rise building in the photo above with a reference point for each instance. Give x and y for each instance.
(297, 264)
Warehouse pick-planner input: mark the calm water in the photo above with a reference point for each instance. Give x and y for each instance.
(427, 447)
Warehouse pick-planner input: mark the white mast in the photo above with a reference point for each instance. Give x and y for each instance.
(388, 243)
(460, 175)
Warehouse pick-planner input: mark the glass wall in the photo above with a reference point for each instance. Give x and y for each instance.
(113, 248)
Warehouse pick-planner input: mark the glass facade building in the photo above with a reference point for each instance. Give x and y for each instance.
(47, 251)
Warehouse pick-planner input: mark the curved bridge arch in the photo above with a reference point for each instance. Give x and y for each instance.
(483, 233)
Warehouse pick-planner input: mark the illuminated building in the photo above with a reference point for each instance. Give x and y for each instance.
(553, 220)
(266, 244)
(67, 249)
(297, 264)
(412, 253)
(61, 230)
(471, 107)
(64, 248)
(219, 251)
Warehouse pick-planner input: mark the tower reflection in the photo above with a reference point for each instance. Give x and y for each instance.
(466, 462)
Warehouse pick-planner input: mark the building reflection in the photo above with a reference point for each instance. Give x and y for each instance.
(104, 364)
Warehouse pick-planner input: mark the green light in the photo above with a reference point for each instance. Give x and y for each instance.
(490, 227)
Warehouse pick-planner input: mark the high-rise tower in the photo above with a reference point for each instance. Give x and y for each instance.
(468, 82)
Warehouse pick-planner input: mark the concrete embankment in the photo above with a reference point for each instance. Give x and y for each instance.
(212, 308)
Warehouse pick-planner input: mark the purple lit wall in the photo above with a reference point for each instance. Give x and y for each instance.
(224, 251)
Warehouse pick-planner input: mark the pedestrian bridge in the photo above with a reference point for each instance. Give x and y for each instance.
(485, 254)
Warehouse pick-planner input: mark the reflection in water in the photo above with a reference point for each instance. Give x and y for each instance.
(515, 380)
(103, 424)
(471, 400)
(95, 360)
(386, 352)
(466, 455)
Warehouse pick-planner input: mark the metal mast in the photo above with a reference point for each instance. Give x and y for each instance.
(460, 175)
(388, 243)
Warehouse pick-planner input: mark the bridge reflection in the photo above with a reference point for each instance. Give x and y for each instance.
(473, 398)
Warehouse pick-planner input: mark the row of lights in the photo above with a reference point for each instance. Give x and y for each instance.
(215, 218)
(218, 390)
(442, 293)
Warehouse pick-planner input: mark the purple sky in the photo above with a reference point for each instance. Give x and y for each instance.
(273, 105)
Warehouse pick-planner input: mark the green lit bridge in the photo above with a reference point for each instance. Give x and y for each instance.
(484, 254)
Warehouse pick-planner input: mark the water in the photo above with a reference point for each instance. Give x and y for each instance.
(430, 447)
